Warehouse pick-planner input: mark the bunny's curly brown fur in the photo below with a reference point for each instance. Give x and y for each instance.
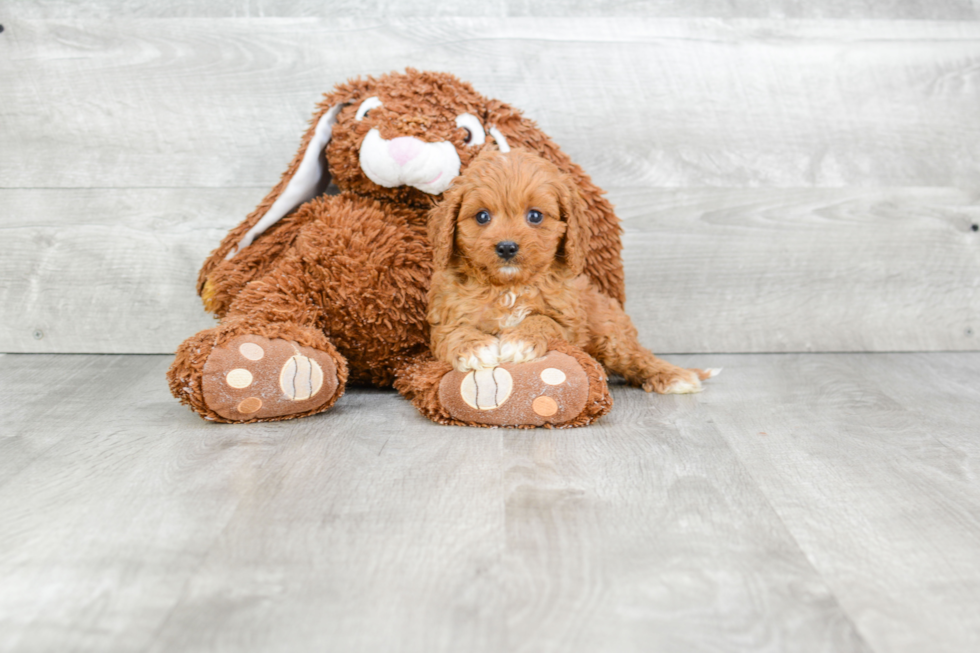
(353, 269)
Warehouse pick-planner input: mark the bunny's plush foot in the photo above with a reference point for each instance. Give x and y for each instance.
(246, 377)
(564, 388)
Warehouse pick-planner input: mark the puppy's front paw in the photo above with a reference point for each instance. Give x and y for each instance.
(477, 355)
(519, 350)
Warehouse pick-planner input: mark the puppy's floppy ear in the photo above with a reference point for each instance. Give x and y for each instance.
(574, 247)
(602, 226)
(442, 227)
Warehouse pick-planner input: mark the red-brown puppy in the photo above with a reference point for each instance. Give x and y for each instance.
(509, 247)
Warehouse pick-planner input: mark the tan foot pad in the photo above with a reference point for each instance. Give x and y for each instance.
(250, 377)
(550, 390)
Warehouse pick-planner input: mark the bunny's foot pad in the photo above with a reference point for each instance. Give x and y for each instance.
(550, 391)
(251, 377)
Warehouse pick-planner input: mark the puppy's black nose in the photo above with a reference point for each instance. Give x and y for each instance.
(507, 249)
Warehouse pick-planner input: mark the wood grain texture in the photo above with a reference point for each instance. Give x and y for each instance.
(865, 9)
(137, 142)
(604, 525)
(398, 540)
(872, 463)
(59, 392)
(708, 270)
(214, 102)
(802, 502)
(109, 271)
(108, 521)
(370, 529)
(802, 270)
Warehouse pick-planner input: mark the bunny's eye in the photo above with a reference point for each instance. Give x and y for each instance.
(366, 106)
(482, 217)
(474, 130)
(534, 216)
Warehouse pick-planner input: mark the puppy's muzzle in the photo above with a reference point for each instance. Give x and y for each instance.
(507, 249)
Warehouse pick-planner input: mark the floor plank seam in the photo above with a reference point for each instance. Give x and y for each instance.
(799, 547)
(202, 562)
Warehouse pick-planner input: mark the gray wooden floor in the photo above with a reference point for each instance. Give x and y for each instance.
(803, 502)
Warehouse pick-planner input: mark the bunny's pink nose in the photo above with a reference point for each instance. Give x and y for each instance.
(404, 148)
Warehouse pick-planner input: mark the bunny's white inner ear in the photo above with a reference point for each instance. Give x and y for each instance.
(502, 144)
(311, 175)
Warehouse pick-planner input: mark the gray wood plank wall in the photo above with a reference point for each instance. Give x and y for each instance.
(869, 9)
(792, 176)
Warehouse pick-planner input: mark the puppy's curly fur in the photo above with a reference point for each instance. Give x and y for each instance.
(510, 245)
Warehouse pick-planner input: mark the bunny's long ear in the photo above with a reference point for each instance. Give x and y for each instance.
(310, 179)
(604, 263)
(442, 227)
(233, 264)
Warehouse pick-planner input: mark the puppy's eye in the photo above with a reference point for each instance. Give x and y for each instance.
(469, 135)
(482, 217)
(534, 216)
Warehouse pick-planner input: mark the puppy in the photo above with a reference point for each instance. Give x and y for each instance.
(509, 247)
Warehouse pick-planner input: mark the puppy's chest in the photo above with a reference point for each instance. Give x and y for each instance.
(510, 308)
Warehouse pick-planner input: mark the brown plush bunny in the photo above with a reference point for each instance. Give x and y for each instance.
(317, 290)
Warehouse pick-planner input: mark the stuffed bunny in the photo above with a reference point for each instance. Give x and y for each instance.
(325, 283)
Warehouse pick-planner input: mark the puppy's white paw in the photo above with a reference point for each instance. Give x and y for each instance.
(684, 386)
(517, 351)
(713, 371)
(481, 359)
